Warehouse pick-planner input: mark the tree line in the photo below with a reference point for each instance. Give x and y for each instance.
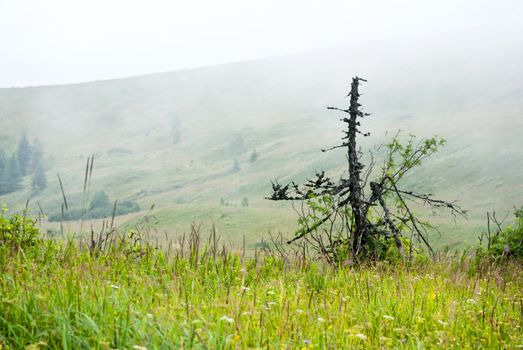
(26, 160)
(99, 207)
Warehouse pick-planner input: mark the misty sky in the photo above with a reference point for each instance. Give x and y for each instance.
(66, 41)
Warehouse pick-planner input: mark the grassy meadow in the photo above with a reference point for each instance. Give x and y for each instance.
(122, 292)
(180, 144)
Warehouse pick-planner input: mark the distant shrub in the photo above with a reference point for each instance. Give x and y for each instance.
(254, 156)
(236, 167)
(100, 207)
(100, 202)
(127, 207)
(505, 242)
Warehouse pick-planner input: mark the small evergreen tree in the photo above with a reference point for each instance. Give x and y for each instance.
(254, 156)
(39, 180)
(37, 155)
(236, 166)
(176, 131)
(245, 202)
(11, 177)
(2, 165)
(23, 154)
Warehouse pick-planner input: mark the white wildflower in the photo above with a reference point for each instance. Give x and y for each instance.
(114, 286)
(246, 289)
(387, 317)
(443, 323)
(471, 301)
(361, 336)
(271, 292)
(227, 319)
(321, 320)
(139, 347)
(299, 311)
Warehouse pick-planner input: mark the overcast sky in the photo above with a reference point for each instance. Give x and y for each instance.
(67, 41)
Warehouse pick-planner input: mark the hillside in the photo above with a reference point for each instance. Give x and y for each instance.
(460, 90)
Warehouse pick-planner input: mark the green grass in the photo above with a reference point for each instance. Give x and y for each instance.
(60, 296)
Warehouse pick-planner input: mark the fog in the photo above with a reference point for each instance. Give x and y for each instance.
(61, 41)
(189, 91)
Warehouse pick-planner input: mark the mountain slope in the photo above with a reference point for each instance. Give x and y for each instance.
(460, 90)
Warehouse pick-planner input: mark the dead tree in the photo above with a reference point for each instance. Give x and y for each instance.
(343, 222)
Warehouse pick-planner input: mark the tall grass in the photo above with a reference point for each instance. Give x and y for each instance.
(197, 293)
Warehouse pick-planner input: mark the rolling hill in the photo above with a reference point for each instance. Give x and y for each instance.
(171, 139)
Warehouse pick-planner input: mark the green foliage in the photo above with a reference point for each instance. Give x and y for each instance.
(126, 207)
(25, 161)
(245, 202)
(100, 201)
(18, 231)
(370, 220)
(506, 242)
(130, 297)
(330, 237)
(403, 156)
(318, 206)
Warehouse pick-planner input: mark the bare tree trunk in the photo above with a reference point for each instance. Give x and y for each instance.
(355, 191)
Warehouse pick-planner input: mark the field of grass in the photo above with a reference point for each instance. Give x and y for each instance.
(199, 294)
(169, 141)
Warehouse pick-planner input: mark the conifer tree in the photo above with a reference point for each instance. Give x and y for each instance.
(11, 177)
(39, 180)
(236, 167)
(2, 164)
(23, 154)
(254, 156)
